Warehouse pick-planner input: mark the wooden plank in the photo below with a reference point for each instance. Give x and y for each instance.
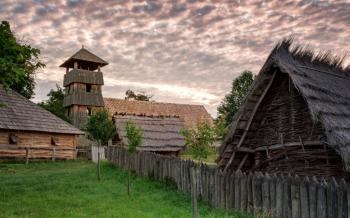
(279, 196)
(266, 193)
(272, 188)
(313, 197)
(238, 175)
(194, 192)
(287, 204)
(304, 198)
(342, 199)
(242, 162)
(295, 196)
(321, 200)
(257, 193)
(250, 202)
(243, 193)
(332, 198)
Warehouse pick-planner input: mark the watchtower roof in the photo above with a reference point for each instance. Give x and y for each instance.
(86, 58)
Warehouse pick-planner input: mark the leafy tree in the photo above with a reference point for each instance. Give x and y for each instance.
(129, 94)
(55, 103)
(18, 62)
(198, 140)
(232, 101)
(134, 135)
(102, 129)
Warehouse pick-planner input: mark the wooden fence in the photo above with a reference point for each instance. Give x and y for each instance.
(273, 195)
(27, 152)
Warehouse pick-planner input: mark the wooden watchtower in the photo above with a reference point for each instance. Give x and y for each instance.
(83, 81)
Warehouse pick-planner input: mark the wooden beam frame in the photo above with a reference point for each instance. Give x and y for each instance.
(251, 119)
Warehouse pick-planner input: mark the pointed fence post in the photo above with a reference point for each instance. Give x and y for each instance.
(193, 173)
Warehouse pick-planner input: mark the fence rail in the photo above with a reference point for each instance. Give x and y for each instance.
(274, 195)
(28, 152)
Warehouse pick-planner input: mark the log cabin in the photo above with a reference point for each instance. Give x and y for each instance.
(295, 118)
(29, 131)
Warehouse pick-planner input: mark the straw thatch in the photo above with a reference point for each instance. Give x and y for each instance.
(191, 115)
(298, 97)
(19, 113)
(160, 134)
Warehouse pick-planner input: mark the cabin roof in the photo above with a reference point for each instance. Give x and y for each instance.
(191, 115)
(159, 133)
(86, 56)
(19, 113)
(323, 81)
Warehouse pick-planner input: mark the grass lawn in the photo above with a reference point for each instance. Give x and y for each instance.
(70, 189)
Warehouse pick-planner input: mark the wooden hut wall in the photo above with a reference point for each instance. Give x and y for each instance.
(39, 144)
(282, 113)
(283, 118)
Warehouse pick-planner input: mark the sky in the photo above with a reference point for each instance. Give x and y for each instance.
(178, 51)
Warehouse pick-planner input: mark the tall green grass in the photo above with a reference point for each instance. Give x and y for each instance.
(70, 189)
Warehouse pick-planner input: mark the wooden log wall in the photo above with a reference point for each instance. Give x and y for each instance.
(37, 145)
(273, 195)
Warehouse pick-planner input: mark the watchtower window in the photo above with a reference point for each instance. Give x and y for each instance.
(89, 111)
(13, 139)
(88, 87)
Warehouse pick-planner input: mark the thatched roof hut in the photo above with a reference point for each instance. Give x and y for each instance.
(296, 117)
(160, 134)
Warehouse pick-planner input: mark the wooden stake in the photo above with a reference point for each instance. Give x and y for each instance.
(27, 155)
(242, 162)
(194, 192)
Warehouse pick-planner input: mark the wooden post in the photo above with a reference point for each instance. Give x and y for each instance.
(27, 155)
(194, 192)
(53, 154)
(98, 161)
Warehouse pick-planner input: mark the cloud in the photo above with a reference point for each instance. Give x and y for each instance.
(180, 51)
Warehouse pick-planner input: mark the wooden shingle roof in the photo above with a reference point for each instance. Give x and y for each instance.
(159, 133)
(86, 56)
(191, 115)
(19, 113)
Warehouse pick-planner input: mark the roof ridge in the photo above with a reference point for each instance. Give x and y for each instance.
(153, 102)
(322, 59)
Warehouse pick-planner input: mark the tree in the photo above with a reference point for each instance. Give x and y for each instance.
(198, 140)
(129, 94)
(18, 63)
(134, 135)
(232, 101)
(55, 103)
(101, 129)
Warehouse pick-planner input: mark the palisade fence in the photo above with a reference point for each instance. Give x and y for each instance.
(258, 194)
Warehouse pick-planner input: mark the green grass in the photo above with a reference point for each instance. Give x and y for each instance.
(210, 160)
(70, 189)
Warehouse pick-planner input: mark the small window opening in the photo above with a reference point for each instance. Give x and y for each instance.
(13, 139)
(54, 140)
(88, 87)
(89, 111)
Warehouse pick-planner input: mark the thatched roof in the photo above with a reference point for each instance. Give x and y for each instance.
(159, 133)
(324, 83)
(85, 56)
(19, 113)
(191, 115)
